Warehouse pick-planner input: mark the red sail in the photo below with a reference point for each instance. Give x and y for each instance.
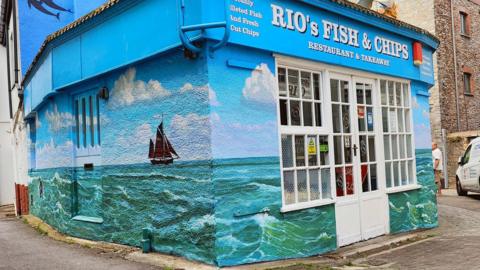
(159, 145)
(170, 147)
(151, 151)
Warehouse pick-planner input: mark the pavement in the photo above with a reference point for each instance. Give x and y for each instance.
(454, 245)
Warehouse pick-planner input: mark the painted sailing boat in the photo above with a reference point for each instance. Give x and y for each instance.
(161, 151)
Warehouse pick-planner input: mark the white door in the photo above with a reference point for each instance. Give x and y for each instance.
(361, 208)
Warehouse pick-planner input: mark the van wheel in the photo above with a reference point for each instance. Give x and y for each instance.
(460, 191)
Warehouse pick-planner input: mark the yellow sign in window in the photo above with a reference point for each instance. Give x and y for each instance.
(312, 147)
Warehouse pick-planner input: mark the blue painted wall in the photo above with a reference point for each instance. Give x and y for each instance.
(220, 202)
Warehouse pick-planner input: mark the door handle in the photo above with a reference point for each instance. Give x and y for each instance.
(355, 147)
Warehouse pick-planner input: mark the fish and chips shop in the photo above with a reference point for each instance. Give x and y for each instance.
(232, 131)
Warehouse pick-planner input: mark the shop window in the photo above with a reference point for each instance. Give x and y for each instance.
(464, 24)
(305, 158)
(397, 134)
(467, 83)
(300, 98)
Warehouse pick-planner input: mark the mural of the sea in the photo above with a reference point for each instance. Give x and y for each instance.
(177, 203)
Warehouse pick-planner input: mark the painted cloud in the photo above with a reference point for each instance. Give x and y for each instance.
(58, 120)
(212, 96)
(127, 90)
(190, 136)
(51, 155)
(261, 86)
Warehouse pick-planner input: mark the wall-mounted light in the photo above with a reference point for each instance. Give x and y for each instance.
(103, 93)
(417, 53)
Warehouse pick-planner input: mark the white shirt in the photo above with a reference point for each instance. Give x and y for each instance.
(437, 155)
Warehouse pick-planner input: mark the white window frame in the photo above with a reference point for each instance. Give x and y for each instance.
(327, 129)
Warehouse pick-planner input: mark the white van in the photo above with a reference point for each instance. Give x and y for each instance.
(468, 172)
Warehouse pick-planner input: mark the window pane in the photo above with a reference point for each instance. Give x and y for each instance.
(409, 146)
(406, 96)
(293, 87)
(385, 119)
(295, 113)
(360, 97)
(363, 148)
(373, 177)
(365, 178)
(466, 81)
(386, 147)
(388, 174)
(401, 140)
(349, 180)
(371, 149)
(393, 121)
(403, 167)
(336, 118)
(370, 122)
(300, 151)
(368, 94)
(318, 114)
(77, 123)
(394, 146)
(307, 114)
(326, 190)
(334, 90)
(407, 121)
(411, 179)
(348, 149)
(316, 86)
(346, 118)
(92, 125)
(324, 149)
(84, 122)
(391, 94)
(287, 152)
(289, 187)
(400, 120)
(344, 89)
(396, 176)
(337, 142)
(302, 186)
(383, 92)
(340, 182)
(282, 82)
(283, 112)
(98, 121)
(306, 85)
(314, 185)
(398, 94)
(312, 150)
(361, 118)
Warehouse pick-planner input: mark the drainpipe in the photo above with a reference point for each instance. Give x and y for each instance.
(455, 65)
(9, 81)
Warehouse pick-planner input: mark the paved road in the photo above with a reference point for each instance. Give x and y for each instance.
(23, 248)
(456, 246)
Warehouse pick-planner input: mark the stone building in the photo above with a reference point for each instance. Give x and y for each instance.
(454, 100)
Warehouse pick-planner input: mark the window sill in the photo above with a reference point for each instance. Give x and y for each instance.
(468, 94)
(95, 220)
(403, 189)
(306, 205)
(465, 35)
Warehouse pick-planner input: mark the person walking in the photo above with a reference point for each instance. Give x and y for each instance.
(437, 166)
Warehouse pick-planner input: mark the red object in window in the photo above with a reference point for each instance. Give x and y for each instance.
(417, 53)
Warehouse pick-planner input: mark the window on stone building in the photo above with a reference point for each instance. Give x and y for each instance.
(467, 83)
(464, 24)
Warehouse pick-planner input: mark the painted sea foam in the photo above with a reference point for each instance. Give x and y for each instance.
(225, 212)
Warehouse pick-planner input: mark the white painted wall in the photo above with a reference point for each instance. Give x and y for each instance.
(7, 169)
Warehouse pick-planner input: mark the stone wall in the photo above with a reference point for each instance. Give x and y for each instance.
(421, 14)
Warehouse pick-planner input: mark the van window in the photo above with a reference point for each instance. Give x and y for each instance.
(466, 157)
